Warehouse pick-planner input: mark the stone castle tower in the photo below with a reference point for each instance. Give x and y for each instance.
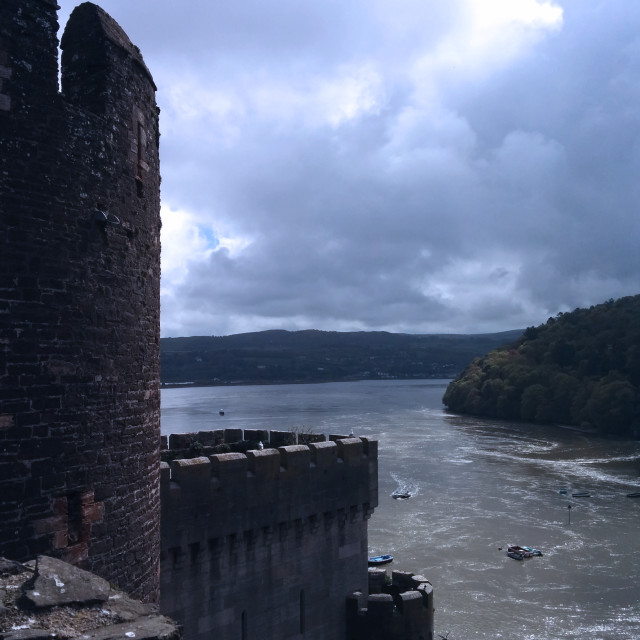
(270, 543)
(79, 296)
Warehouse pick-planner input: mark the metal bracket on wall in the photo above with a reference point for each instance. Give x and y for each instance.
(106, 218)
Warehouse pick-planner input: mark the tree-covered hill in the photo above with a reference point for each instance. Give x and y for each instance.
(268, 357)
(580, 368)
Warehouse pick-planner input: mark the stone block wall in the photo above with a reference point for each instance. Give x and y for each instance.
(399, 609)
(79, 296)
(269, 543)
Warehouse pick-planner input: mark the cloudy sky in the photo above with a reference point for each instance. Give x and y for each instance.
(418, 166)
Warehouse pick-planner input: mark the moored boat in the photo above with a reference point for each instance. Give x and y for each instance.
(514, 548)
(532, 551)
(581, 494)
(383, 559)
(635, 494)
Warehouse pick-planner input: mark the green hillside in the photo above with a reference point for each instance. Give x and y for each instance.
(269, 357)
(580, 368)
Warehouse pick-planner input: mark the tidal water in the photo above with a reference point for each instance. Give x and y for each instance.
(475, 486)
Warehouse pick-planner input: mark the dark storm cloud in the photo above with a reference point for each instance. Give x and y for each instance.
(401, 165)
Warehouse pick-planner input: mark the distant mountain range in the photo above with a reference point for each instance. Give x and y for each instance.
(277, 357)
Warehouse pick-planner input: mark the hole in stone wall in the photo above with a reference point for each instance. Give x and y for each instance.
(140, 134)
(74, 526)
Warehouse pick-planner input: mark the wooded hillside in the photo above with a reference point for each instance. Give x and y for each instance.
(268, 357)
(580, 368)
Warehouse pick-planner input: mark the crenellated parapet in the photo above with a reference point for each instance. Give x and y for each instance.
(178, 445)
(283, 526)
(401, 609)
(303, 485)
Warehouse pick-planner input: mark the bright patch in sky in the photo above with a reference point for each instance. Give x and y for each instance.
(416, 165)
(183, 243)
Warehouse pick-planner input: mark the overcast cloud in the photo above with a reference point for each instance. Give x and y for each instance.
(405, 165)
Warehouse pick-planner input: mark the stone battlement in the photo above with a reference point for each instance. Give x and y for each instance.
(398, 610)
(183, 443)
(288, 523)
(262, 487)
(268, 463)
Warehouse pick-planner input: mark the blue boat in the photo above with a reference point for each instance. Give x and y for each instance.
(520, 553)
(384, 559)
(532, 551)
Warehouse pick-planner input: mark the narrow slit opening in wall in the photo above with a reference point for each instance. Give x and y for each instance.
(74, 522)
(302, 612)
(140, 152)
(140, 160)
(243, 625)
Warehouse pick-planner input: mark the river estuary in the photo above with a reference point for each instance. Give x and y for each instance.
(475, 487)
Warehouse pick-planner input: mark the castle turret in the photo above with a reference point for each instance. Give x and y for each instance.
(79, 296)
(267, 544)
(400, 609)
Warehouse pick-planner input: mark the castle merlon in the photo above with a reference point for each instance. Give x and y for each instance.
(399, 609)
(231, 493)
(268, 463)
(85, 21)
(293, 516)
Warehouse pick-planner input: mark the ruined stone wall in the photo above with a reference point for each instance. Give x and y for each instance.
(79, 296)
(268, 544)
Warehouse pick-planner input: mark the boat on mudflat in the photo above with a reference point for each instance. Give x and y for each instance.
(383, 559)
(635, 494)
(400, 495)
(581, 494)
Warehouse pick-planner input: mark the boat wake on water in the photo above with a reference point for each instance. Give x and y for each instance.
(405, 488)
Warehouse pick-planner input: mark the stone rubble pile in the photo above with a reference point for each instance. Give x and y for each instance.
(48, 598)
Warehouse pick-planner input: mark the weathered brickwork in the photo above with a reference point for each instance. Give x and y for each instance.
(267, 544)
(79, 296)
(262, 544)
